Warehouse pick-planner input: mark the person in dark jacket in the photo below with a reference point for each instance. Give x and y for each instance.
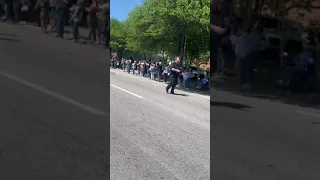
(174, 72)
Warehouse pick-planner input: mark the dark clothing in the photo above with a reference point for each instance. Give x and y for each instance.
(165, 77)
(92, 22)
(174, 80)
(174, 74)
(61, 11)
(218, 13)
(248, 67)
(217, 16)
(44, 11)
(173, 83)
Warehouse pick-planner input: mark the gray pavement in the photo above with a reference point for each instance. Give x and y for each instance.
(155, 135)
(54, 107)
(258, 139)
(54, 122)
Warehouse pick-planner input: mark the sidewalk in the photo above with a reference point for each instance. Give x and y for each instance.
(193, 86)
(83, 33)
(265, 88)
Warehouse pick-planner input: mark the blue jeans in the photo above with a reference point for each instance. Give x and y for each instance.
(61, 20)
(187, 83)
(248, 67)
(75, 30)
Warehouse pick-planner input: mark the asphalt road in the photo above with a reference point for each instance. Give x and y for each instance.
(255, 139)
(155, 135)
(54, 107)
(54, 122)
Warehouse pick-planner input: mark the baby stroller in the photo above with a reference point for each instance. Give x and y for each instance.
(204, 84)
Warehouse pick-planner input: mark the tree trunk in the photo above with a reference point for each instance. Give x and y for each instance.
(182, 48)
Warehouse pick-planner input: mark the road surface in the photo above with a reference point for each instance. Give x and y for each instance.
(255, 139)
(54, 107)
(55, 116)
(54, 122)
(155, 135)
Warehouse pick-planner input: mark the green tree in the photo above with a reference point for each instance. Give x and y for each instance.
(164, 27)
(117, 36)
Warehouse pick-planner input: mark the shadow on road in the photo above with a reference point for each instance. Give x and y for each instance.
(177, 94)
(9, 39)
(265, 89)
(230, 105)
(7, 34)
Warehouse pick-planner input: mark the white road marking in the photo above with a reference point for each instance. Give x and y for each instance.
(126, 91)
(53, 94)
(206, 97)
(308, 113)
(142, 80)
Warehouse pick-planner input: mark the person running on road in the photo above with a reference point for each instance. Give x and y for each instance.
(174, 71)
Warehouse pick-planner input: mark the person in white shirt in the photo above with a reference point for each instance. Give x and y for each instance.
(165, 73)
(251, 45)
(240, 51)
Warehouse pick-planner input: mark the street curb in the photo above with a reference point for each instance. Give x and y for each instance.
(181, 89)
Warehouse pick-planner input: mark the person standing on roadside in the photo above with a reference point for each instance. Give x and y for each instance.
(142, 66)
(165, 73)
(44, 6)
(160, 70)
(103, 21)
(53, 14)
(152, 71)
(92, 21)
(138, 67)
(16, 11)
(77, 14)
(187, 75)
(252, 45)
(219, 28)
(61, 12)
(174, 71)
(133, 66)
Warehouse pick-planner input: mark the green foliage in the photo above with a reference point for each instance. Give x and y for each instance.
(158, 26)
(117, 35)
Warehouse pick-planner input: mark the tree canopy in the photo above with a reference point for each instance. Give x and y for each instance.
(158, 27)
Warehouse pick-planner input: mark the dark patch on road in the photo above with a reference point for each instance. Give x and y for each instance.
(230, 105)
(177, 94)
(315, 122)
(8, 34)
(9, 39)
